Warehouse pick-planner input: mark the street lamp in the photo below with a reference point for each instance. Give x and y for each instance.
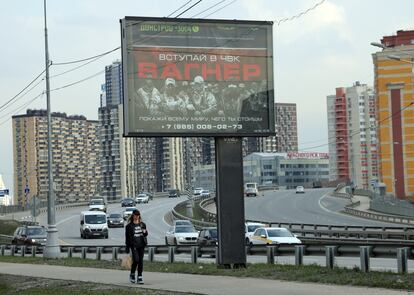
(380, 45)
(52, 249)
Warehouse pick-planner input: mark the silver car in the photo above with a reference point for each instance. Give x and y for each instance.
(181, 235)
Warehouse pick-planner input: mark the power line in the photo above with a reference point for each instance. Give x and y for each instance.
(79, 81)
(365, 128)
(212, 6)
(20, 108)
(179, 8)
(221, 8)
(21, 91)
(198, 2)
(77, 67)
(85, 59)
(299, 14)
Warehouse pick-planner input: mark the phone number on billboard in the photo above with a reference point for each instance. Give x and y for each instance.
(203, 126)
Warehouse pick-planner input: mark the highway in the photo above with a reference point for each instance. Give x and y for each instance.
(314, 207)
(67, 222)
(282, 206)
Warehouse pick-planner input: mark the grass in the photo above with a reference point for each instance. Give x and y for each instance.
(39, 286)
(306, 273)
(7, 227)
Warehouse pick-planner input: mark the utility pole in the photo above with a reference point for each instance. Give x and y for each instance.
(52, 249)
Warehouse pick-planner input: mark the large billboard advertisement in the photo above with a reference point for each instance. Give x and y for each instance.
(190, 77)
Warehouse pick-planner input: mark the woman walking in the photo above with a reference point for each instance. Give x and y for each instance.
(135, 241)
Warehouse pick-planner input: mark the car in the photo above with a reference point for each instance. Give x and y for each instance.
(250, 189)
(115, 220)
(97, 205)
(300, 189)
(197, 191)
(205, 194)
(142, 198)
(128, 212)
(273, 235)
(249, 228)
(207, 237)
(182, 222)
(30, 235)
(93, 224)
(127, 202)
(181, 235)
(150, 195)
(173, 193)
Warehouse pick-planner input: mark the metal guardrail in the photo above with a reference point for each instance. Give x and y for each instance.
(401, 252)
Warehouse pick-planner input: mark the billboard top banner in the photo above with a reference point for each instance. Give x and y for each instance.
(190, 77)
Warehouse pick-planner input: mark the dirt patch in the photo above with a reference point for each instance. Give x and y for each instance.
(11, 284)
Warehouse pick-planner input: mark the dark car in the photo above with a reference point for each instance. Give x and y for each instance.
(115, 220)
(128, 202)
(207, 237)
(173, 193)
(30, 235)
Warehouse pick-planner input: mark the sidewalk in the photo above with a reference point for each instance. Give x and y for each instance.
(201, 284)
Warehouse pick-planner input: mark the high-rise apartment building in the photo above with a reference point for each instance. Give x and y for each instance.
(286, 139)
(395, 111)
(75, 149)
(352, 135)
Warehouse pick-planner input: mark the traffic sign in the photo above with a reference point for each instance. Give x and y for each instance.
(26, 190)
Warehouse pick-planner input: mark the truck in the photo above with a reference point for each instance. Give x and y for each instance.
(250, 189)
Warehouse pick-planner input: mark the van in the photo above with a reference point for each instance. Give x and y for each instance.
(250, 189)
(93, 224)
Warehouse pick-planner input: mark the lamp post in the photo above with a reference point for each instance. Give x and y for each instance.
(52, 249)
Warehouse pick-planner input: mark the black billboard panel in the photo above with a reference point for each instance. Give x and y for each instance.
(190, 77)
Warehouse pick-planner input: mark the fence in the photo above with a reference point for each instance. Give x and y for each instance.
(401, 252)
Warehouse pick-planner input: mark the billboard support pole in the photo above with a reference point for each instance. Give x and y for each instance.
(230, 202)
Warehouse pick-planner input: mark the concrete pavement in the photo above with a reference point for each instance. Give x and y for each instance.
(195, 284)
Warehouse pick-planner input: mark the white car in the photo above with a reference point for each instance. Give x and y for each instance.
(250, 227)
(181, 235)
(197, 191)
(205, 194)
(300, 189)
(128, 212)
(97, 205)
(142, 198)
(273, 235)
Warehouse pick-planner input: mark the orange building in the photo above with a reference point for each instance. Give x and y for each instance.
(395, 112)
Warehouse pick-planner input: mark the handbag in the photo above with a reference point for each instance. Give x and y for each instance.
(126, 262)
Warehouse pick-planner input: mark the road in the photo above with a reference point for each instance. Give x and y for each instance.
(314, 207)
(67, 222)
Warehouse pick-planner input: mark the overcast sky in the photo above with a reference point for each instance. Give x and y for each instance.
(325, 48)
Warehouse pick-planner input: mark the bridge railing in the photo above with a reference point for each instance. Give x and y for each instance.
(401, 252)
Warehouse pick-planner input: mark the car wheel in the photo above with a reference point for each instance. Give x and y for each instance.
(106, 236)
(247, 242)
(175, 241)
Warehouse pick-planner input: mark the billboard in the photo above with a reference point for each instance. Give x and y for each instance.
(191, 77)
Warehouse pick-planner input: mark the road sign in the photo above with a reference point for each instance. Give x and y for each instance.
(26, 190)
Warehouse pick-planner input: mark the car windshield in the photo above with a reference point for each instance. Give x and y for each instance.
(36, 231)
(130, 209)
(204, 192)
(184, 229)
(128, 200)
(97, 202)
(115, 215)
(173, 191)
(252, 228)
(213, 233)
(250, 185)
(183, 222)
(95, 219)
(279, 233)
(142, 196)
